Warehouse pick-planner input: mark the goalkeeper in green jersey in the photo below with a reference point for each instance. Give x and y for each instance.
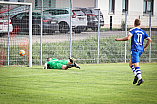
(60, 64)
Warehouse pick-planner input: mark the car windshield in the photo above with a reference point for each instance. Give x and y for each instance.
(96, 12)
(78, 13)
(88, 11)
(56, 11)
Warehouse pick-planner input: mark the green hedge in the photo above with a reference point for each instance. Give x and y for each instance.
(110, 51)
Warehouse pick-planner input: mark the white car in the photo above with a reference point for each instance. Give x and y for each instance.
(79, 19)
(4, 25)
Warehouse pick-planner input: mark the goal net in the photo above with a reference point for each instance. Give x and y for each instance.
(15, 33)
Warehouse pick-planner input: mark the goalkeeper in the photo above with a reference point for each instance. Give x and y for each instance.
(60, 64)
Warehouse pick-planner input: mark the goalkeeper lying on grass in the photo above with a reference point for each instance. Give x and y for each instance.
(60, 64)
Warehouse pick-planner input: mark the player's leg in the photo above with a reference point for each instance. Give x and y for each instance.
(138, 70)
(72, 60)
(131, 64)
(72, 63)
(135, 60)
(65, 67)
(68, 64)
(134, 71)
(132, 67)
(77, 66)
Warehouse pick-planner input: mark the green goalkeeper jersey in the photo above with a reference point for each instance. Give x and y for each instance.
(56, 64)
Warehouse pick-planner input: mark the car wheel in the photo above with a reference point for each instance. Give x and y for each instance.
(86, 29)
(95, 28)
(77, 31)
(50, 32)
(2, 34)
(16, 29)
(63, 27)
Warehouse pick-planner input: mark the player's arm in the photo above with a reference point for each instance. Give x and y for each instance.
(45, 66)
(125, 38)
(147, 44)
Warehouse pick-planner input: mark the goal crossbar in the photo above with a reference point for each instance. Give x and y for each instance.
(15, 3)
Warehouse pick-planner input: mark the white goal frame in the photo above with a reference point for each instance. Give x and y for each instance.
(30, 27)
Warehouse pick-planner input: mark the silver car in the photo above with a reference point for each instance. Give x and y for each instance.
(79, 19)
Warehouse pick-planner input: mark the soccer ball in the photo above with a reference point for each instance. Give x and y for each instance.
(21, 52)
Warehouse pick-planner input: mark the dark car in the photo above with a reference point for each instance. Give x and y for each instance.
(92, 21)
(96, 12)
(21, 23)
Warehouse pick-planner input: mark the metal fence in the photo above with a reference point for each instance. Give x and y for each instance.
(65, 32)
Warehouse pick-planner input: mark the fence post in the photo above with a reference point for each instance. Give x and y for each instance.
(70, 28)
(150, 37)
(30, 35)
(98, 36)
(8, 33)
(41, 32)
(125, 32)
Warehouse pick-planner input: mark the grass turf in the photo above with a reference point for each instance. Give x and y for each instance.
(93, 84)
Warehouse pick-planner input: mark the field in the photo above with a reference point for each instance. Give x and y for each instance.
(92, 84)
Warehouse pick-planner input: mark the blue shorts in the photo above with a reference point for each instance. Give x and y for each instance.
(135, 55)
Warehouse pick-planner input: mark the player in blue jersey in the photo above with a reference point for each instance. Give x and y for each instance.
(137, 37)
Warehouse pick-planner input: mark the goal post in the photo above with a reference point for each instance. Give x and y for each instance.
(30, 32)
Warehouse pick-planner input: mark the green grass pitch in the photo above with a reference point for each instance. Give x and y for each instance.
(93, 84)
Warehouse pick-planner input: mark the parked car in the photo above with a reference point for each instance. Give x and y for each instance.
(21, 23)
(4, 25)
(95, 12)
(91, 18)
(79, 19)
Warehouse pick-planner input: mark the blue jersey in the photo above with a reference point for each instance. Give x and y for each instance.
(137, 39)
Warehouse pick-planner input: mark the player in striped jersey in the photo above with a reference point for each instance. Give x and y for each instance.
(137, 37)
